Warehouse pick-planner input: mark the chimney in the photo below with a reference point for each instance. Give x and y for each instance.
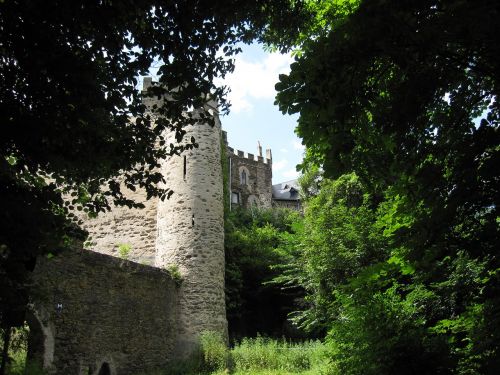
(147, 82)
(269, 155)
(259, 148)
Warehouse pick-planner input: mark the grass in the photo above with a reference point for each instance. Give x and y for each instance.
(257, 356)
(277, 356)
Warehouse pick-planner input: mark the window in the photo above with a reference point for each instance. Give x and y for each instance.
(235, 198)
(244, 175)
(185, 167)
(243, 179)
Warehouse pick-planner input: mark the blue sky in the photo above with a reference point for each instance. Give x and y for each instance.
(253, 115)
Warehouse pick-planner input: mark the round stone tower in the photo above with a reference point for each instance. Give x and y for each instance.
(191, 233)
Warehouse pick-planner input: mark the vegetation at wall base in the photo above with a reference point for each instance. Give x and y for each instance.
(252, 356)
(18, 348)
(396, 259)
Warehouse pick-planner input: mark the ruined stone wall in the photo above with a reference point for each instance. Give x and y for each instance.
(191, 233)
(134, 229)
(257, 189)
(93, 310)
(131, 228)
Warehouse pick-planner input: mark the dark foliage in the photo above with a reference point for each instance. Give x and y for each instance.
(405, 94)
(72, 117)
(253, 305)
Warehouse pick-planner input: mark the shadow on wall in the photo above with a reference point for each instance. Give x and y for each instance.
(94, 314)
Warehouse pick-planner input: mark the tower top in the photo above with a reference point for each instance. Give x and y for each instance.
(147, 82)
(269, 155)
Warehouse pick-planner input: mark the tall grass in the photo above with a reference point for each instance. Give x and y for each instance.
(278, 356)
(256, 356)
(214, 351)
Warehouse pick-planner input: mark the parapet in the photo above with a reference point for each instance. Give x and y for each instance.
(147, 82)
(249, 156)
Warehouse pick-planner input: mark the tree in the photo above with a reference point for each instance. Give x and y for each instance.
(72, 115)
(405, 94)
(253, 239)
(335, 242)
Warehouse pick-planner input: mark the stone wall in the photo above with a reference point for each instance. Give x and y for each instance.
(93, 311)
(256, 186)
(122, 226)
(291, 204)
(191, 233)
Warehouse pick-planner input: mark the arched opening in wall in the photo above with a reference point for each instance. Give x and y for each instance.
(105, 369)
(36, 340)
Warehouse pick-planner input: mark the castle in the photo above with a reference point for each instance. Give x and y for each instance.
(154, 279)
(250, 181)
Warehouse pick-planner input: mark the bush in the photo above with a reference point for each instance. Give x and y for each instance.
(124, 250)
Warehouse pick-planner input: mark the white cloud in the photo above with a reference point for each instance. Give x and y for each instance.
(283, 150)
(255, 79)
(279, 165)
(297, 145)
(291, 174)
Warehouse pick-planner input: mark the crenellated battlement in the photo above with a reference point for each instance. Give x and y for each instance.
(246, 155)
(249, 156)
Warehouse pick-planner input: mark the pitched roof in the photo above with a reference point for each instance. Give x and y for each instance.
(288, 190)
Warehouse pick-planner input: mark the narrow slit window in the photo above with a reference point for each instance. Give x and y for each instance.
(185, 167)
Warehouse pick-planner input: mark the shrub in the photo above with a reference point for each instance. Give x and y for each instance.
(124, 250)
(175, 273)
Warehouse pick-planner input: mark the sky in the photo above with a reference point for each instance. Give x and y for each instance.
(253, 115)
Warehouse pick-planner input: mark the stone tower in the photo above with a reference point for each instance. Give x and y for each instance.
(191, 233)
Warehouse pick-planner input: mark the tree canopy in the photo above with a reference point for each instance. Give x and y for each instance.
(405, 94)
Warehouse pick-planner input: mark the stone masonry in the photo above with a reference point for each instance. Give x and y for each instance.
(191, 233)
(123, 226)
(250, 177)
(94, 313)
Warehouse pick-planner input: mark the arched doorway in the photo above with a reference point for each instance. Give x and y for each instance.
(105, 369)
(36, 340)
